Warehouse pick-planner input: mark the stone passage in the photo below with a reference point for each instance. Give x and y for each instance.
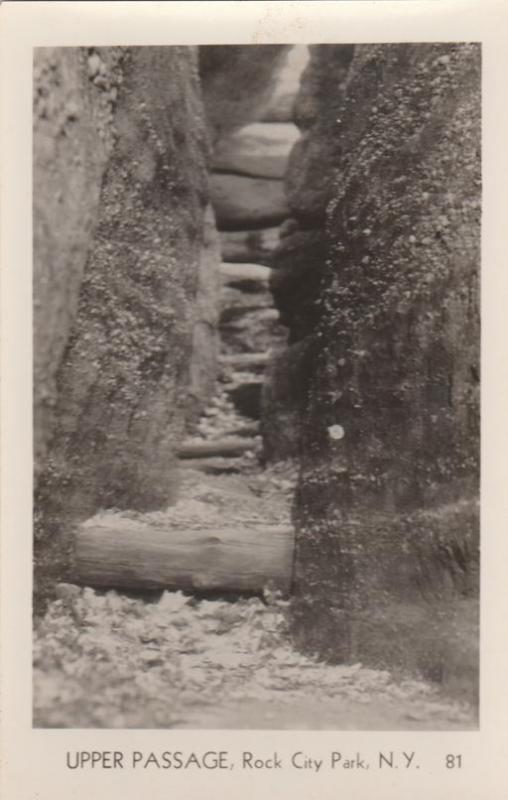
(249, 164)
(248, 196)
(258, 316)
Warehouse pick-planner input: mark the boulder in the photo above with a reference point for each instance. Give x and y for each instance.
(243, 203)
(260, 149)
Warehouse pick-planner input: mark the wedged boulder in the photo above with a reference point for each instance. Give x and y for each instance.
(260, 149)
(242, 203)
(253, 247)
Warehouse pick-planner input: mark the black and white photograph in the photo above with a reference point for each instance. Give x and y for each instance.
(253, 425)
(256, 386)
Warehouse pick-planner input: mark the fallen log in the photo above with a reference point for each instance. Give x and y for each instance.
(117, 552)
(220, 447)
(243, 360)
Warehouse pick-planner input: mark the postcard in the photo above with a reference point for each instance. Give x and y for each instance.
(253, 400)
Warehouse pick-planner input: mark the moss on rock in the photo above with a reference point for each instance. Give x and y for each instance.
(395, 342)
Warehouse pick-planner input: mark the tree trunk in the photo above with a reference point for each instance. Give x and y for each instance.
(221, 447)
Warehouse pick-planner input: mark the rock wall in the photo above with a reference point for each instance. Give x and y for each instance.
(378, 283)
(205, 340)
(120, 189)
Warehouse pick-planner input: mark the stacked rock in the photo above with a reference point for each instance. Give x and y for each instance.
(248, 197)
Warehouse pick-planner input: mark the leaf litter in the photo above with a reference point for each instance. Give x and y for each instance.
(109, 660)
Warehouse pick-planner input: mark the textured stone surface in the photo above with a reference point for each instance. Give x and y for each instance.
(259, 149)
(205, 341)
(238, 82)
(296, 281)
(318, 153)
(242, 203)
(286, 85)
(71, 146)
(283, 401)
(387, 177)
(116, 271)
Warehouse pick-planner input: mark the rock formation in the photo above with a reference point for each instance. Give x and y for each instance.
(367, 239)
(120, 187)
(252, 142)
(378, 282)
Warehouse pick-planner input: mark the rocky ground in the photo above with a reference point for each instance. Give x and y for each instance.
(170, 660)
(109, 660)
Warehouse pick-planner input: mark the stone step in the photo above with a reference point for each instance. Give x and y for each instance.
(215, 466)
(255, 246)
(236, 273)
(245, 360)
(241, 203)
(229, 446)
(260, 149)
(234, 302)
(264, 315)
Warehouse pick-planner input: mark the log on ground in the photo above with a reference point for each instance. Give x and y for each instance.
(116, 552)
(245, 360)
(219, 447)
